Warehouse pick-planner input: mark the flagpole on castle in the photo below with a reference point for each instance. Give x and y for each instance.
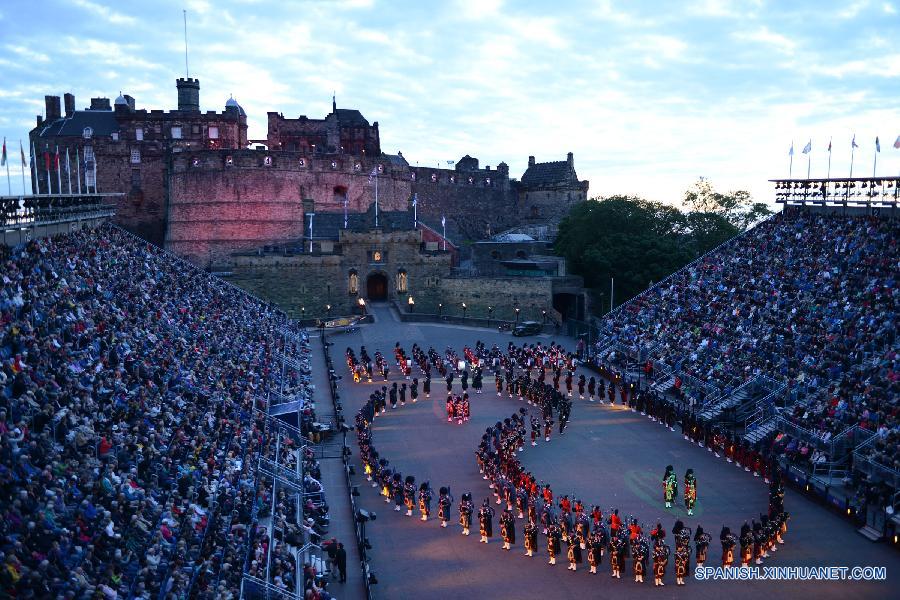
(22, 153)
(791, 165)
(415, 211)
(6, 162)
(58, 171)
(852, 154)
(68, 171)
(829, 159)
(809, 159)
(47, 164)
(376, 196)
(874, 165)
(78, 167)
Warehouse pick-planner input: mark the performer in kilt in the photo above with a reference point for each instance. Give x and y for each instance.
(701, 542)
(682, 551)
(445, 502)
(746, 541)
(617, 544)
(639, 551)
(729, 541)
(531, 538)
(465, 513)
(670, 486)
(508, 529)
(690, 491)
(553, 547)
(661, 553)
(425, 500)
(486, 521)
(409, 494)
(574, 553)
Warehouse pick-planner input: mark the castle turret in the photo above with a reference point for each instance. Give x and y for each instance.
(188, 94)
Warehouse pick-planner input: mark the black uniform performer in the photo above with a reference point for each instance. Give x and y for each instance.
(508, 529)
(486, 521)
(444, 504)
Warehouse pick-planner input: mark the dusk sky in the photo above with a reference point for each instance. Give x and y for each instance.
(648, 97)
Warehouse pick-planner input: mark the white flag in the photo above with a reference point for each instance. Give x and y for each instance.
(897, 143)
(415, 199)
(808, 147)
(443, 221)
(791, 151)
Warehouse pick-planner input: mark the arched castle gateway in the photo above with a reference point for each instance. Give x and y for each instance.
(194, 183)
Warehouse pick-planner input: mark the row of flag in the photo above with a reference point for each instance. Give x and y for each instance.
(808, 147)
(52, 162)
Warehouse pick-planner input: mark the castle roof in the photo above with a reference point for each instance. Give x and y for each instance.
(327, 225)
(549, 173)
(102, 122)
(350, 117)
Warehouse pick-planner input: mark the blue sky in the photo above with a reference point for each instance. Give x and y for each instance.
(648, 95)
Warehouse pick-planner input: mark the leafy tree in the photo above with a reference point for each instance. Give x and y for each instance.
(636, 241)
(737, 207)
(709, 229)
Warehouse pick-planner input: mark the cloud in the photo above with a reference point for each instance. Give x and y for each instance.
(105, 12)
(28, 53)
(765, 36)
(888, 8)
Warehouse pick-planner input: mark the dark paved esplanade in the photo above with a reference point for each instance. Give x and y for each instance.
(612, 457)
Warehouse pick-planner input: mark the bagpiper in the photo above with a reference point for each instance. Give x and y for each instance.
(617, 544)
(409, 494)
(531, 538)
(690, 491)
(425, 500)
(553, 547)
(639, 550)
(682, 551)
(701, 542)
(486, 521)
(573, 553)
(445, 502)
(670, 486)
(661, 553)
(729, 541)
(508, 529)
(465, 513)
(535, 428)
(746, 541)
(595, 550)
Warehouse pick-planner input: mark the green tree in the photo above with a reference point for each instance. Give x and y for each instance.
(737, 207)
(709, 229)
(636, 241)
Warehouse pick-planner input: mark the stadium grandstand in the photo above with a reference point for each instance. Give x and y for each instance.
(784, 341)
(155, 421)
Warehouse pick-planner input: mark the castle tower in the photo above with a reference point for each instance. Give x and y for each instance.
(188, 94)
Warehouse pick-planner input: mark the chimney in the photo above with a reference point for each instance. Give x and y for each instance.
(570, 158)
(69, 103)
(40, 120)
(530, 161)
(52, 107)
(130, 102)
(100, 104)
(188, 94)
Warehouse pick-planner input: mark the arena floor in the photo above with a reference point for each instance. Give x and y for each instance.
(608, 456)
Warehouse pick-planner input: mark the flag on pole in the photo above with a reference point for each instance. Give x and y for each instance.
(897, 143)
(47, 159)
(451, 162)
(3, 156)
(877, 144)
(829, 145)
(415, 199)
(791, 151)
(443, 221)
(56, 159)
(22, 152)
(853, 143)
(808, 147)
(373, 174)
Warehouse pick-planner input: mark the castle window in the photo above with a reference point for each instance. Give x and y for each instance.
(115, 136)
(135, 156)
(87, 133)
(176, 133)
(267, 161)
(377, 256)
(195, 129)
(353, 282)
(139, 134)
(302, 162)
(213, 132)
(229, 161)
(136, 178)
(402, 282)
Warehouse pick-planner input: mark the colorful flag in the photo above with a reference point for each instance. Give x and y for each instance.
(451, 162)
(897, 143)
(877, 144)
(3, 156)
(47, 159)
(22, 151)
(853, 143)
(808, 147)
(56, 159)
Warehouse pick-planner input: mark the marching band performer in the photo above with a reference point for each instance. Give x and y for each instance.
(531, 538)
(729, 541)
(444, 504)
(690, 491)
(508, 529)
(486, 521)
(746, 541)
(639, 551)
(409, 494)
(670, 486)
(661, 553)
(465, 513)
(702, 541)
(425, 500)
(574, 553)
(617, 545)
(682, 551)
(552, 542)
